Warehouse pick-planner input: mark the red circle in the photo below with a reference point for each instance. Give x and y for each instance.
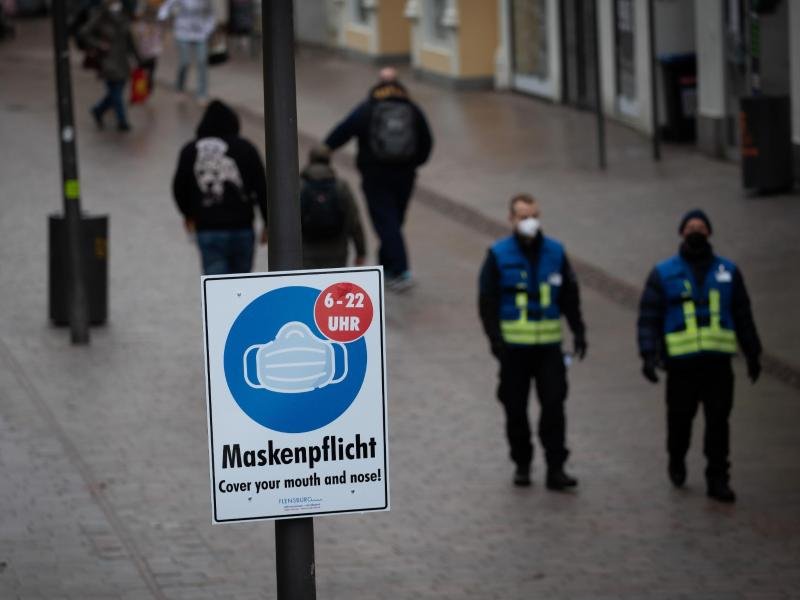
(343, 312)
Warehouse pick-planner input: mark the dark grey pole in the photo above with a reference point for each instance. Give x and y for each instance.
(651, 7)
(70, 188)
(294, 538)
(598, 86)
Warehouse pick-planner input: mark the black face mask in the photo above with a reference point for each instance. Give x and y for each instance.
(696, 241)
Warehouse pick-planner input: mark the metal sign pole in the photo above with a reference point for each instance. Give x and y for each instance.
(598, 86)
(653, 81)
(294, 538)
(78, 300)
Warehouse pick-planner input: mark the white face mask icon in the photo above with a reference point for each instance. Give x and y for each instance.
(295, 361)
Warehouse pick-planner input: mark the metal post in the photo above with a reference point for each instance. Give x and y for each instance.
(598, 86)
(78, 300)
(294, 538)
(653, 80)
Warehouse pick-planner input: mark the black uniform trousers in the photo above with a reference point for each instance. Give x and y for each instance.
(545, 365)
(690, 382)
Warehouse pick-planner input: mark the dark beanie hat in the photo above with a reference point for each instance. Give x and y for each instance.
(694, 214)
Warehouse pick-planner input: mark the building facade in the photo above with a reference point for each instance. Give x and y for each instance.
(563, 51)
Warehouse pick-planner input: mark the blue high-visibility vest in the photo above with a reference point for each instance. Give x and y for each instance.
(699, 317)
(529, 311)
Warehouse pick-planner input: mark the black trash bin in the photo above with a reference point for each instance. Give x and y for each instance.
(94, 246)
(766, 143)
(680, 96)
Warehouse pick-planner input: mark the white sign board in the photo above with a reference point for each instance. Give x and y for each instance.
(296, 388)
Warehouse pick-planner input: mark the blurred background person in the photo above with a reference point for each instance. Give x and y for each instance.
(193, 23)
(329, 215)
(393, 141)
(148, 34)
(107, 35)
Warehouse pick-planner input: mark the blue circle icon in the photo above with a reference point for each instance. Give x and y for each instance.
(282, 372)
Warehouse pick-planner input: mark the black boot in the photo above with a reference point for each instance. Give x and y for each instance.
(558, 480)
(522, 476)
(677, 472)
(720, 490)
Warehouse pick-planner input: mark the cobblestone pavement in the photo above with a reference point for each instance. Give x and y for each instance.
(103, 451)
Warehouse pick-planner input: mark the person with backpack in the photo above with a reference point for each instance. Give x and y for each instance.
(219, 178)
(393, 141)
(328, 215)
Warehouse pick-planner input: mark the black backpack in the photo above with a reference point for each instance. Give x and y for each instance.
(322, 215)
(393, 131)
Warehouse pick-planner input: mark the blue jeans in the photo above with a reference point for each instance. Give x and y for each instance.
(200, 51)
(224, 251)
(113, 99)
(387, 201)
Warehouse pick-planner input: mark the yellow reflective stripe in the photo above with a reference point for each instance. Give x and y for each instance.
(531, 332)
(72, 189)
(544, 295)
(714, 308)
(690, 316)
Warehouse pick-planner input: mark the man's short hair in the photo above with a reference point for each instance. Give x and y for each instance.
(526, 198)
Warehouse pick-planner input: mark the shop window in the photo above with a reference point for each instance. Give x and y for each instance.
(437, 30)
(625, 26)
(529, 38)
(360, 12)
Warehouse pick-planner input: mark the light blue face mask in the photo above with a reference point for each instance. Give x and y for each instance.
(295, 361)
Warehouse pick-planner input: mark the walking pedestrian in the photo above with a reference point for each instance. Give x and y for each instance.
(329, 215)
(219, 178)
(526, 284)
(693, 310)
(393, 141)
(107, 34)
(194, 22)
(149, 38)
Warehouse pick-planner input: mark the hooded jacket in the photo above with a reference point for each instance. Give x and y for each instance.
(357, 124)
(220, 175)
(109, 34)
(333, 252)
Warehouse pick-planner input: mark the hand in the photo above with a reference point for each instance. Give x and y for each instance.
(649, 369)
(753, 369)
(264, 237)
(360, 261)
(189, 225)
(580, 346)
(498, 350)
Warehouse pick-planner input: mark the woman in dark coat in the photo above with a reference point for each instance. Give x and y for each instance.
(107, 33)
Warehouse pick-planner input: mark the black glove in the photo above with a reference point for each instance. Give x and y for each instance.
(649, 369)
(753, 368)
(580, 346)
(498, 349)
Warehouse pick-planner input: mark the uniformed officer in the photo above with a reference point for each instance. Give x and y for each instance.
(526, 284)
(693, 310)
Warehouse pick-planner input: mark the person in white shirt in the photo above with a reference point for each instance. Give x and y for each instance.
(193, 23)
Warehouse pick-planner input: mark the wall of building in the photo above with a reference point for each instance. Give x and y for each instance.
(311, 22)
(394, 30)
(711, 86)
(477, 37)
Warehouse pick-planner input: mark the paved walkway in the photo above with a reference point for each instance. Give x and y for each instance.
(103, 451)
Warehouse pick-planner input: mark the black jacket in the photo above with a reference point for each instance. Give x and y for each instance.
(220, 175)
(357, 124)
(653, 307)
(489, 293)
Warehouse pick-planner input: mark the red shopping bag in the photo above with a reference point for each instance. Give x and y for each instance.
(140, 86)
